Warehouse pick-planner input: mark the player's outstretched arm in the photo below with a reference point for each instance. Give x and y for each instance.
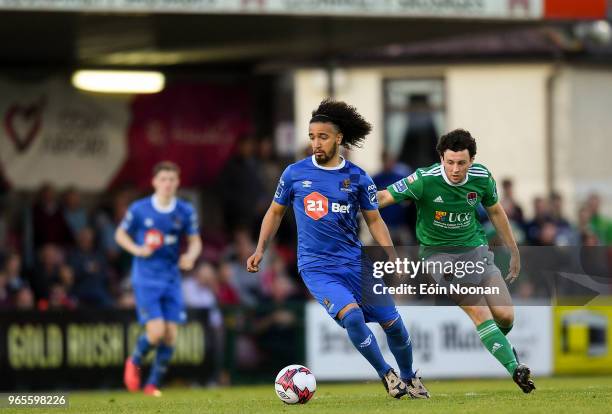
(194, 248)
(269, 227)
(385, 198)
(502, 226)
(124, 240)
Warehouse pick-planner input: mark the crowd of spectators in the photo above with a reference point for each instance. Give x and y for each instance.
(57, 252)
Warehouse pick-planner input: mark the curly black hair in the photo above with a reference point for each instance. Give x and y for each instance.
(457, 140)
(350, 123)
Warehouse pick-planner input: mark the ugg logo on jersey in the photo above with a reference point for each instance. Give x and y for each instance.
(472, 198)
(154, 239)
(316, 205)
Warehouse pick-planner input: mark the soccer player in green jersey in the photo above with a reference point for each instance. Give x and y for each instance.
(447, 195)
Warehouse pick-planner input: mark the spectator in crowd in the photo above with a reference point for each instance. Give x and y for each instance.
(12, 269)
(227, 294)
(49, 268)
(199, 289)
(5, 299)
(74, 213)
(247, 284)
(91, 272)
(602, 226)
(49, 223)
(541, 216)
(270, 168)
(395, 216)
(566, 233)
(511, 206)
(24, 299)
(242, 180)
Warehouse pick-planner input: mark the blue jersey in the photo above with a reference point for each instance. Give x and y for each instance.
(161, 229)
(325, 202)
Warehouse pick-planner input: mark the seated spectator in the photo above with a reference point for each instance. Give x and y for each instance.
(24, 299)
(602, 226)
(12, 270)
(247, 284)
(511, 206)
(74, 214)
(91, 273)
(541, 216)
(49, 264)
(227, 294)
(49, 224)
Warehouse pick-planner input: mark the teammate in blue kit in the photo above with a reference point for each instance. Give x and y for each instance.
(326, 192)
(151, 232)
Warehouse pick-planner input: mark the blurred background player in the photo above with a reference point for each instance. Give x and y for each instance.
(454, 188)
(326, 192)
(151, 232)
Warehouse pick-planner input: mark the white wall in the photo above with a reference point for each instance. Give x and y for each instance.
(585, 154)
(504, 107)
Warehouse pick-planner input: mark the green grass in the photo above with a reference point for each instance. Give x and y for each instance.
(554, 395)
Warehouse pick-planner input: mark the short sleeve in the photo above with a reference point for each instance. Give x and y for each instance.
(284, 190)
(410, 187)
(130, 220)
(490, 197)
(192, 226)
(367, 193)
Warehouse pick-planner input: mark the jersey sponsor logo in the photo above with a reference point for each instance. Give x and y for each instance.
(316, 205)
(438, 199)
(400, 186)
(412, 178)
(345, 185)
(306, 184)
(472, 198)
(154, 239)
(452, 220)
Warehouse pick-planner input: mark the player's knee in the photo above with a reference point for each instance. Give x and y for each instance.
(478, 314)
(353, 318)
(170, 335)
(504, 316)
(393, 326)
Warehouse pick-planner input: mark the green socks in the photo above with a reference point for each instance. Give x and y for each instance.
(504, 329)
(496, 343)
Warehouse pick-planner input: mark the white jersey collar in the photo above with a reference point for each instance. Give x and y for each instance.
(449, 182)
(337, 167)
(163, 209)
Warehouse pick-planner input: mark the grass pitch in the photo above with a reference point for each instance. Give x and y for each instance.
(573, 395)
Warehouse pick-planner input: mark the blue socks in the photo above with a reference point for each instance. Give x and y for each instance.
(400, 345)
(160, 366)
(142, 349)
(364, 341)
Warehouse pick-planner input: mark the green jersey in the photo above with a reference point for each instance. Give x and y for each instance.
(446, 212)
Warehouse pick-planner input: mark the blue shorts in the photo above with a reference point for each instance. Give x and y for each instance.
(336, 287)
(160, 301)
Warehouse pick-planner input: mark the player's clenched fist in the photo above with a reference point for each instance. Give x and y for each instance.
(186, 263)
(253, 262)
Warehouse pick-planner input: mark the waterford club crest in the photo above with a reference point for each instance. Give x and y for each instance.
(472, 198)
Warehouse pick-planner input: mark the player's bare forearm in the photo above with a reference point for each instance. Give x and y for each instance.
(379, 231)
(194, 247)
(124, 240)
(500, 221)
(269, 225)
(385, 198)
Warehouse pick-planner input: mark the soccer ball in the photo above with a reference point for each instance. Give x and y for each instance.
(295, 384)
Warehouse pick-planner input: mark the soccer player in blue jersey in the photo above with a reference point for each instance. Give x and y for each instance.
(326, 191)
(151, 232)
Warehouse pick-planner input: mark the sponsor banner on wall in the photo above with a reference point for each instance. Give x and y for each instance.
(445, 344)
(196, 125)
(486, 9)
(53, 133)
(87, 349)
(583, 339)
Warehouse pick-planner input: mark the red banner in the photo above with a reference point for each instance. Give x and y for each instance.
(575, 9)
(194, 125)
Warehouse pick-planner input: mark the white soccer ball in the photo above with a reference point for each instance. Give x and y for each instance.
(295, 384)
